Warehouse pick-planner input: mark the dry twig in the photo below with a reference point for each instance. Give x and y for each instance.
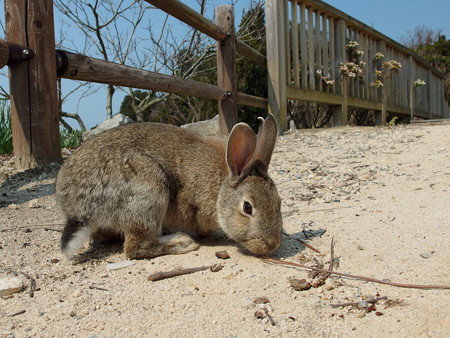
(93, 287)
(169, 274)
(369, 279)
(308, 246)
(17, 313)
(32, 283)
(373, 301)
(32, 226)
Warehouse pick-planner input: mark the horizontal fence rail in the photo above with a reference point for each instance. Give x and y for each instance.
(315, 37)
(194, 19)
(33, 71)
(83, 68)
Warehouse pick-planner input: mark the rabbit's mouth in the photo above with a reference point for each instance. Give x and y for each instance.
(261, 246)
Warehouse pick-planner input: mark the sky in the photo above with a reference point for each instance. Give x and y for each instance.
(393, 18)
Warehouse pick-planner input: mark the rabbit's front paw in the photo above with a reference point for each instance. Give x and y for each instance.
(178, 243)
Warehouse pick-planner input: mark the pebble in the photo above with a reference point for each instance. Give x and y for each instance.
(119, 265)
(10, 285)
(33, 204)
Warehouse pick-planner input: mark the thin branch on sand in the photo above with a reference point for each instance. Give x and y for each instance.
(369, 279)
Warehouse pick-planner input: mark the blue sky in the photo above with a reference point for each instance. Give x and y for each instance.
(393, 18)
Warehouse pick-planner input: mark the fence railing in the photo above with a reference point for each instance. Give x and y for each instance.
(30, 54)
(307, 45)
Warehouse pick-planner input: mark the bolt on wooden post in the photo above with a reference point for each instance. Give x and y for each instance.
(34, 105)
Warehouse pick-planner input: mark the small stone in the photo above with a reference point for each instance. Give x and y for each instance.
(34, 204)
(216, 267)
(119, 265)
(426, 255)
(13, 206)
(261, 300)
(10, 285)
(260, 314)
(222, 254)
(300, 284)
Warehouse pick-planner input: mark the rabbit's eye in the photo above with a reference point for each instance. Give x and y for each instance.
(248, 209)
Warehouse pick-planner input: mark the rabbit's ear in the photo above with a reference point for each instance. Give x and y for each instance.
(267, 135)
(240, 149)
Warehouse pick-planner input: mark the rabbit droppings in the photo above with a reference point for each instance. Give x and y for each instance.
(134, 180)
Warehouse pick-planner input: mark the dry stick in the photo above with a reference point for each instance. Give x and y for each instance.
(308, 246)
(369, 279)
(330, 267)
(331, 254)
(92, 287)
(50, 229)
(374, 300)
(169, 274)
(17, 313)
(32, 283)
(272, 321)
(31, 226)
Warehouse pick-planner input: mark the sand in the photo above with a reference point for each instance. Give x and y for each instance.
(382, 194)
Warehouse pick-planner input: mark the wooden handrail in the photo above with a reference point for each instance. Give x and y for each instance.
(322, 7)
(192, 18)
(84, 68)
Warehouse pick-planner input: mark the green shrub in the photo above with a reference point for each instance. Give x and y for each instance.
(5, 129)
(70, 138)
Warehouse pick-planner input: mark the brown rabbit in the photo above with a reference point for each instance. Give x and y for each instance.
(137, 179)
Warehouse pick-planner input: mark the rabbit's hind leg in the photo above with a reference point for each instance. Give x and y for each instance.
(145, 243)
(74, 237)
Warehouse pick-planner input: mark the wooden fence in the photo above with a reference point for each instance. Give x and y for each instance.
(30, 54)
(307, 41)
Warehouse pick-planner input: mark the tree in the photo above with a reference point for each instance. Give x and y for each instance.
(433, 47)
(109, 28)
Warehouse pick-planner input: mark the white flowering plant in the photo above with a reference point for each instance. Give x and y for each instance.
(419, 83)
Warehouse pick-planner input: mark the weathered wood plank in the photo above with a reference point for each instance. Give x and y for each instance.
(194, 19)
(226, 70)
(83, 68)
(287, 43)
(250, 100)
(4, 53)
(303, 47)
(311, 59)
(276, 61)
(34, 104)
(295, 52)
(325, 46)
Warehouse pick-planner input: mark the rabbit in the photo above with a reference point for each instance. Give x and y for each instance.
(134, 180)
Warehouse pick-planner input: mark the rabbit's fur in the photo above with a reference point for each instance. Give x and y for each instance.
(136, 179)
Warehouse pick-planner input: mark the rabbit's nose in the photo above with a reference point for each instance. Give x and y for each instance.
(273, 243)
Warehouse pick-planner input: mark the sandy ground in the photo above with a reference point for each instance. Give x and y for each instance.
(383, 194)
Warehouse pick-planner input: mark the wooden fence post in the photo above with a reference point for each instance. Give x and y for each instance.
(411, 86)
(34, 105)
(381, 115)
(340, 113)
(226, 69)
(276, 60)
